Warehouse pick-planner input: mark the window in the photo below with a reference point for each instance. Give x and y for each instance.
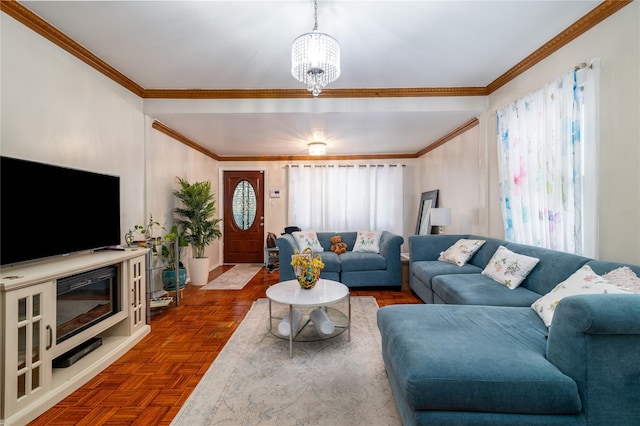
(547, 164)
(346, 198)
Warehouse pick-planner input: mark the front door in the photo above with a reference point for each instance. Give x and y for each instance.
(243, 216)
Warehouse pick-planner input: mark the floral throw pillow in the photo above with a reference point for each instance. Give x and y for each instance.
(509, 268)
(624, 278)
(583, 281)
(306, 239)
(461, 251)
(368, 242)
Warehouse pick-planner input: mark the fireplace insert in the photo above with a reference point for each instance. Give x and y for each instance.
(85, 299)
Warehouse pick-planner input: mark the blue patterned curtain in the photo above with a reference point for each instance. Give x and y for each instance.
(541, 156)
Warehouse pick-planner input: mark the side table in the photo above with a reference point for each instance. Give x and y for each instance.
(404, 264)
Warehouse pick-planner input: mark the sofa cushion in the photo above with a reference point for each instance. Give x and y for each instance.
(368, 242)
(583, 281)
(478, 289)
(425, 270)
(461, 251)
(624, 278)
(509, 268)
(356, 261)
(307, 239)
(331, 261)
(473, 358)
(553, 268)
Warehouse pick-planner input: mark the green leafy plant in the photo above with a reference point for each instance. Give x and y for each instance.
(147, 230)
(165, 250)
(196, 214)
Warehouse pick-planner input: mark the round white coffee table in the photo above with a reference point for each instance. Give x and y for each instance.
(324, 293)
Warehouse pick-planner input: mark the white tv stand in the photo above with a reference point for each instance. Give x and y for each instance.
(30, 384)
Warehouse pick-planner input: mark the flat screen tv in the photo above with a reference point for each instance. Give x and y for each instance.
(48, 210)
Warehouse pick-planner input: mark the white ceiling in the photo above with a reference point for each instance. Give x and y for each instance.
(247, 44)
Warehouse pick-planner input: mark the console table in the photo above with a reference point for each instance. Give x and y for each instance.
(30, 383)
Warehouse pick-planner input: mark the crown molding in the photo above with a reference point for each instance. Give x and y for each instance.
(46, 30)
(400, 92)
(581, 26)
(51, 33)
(446, 138)
(163, 128)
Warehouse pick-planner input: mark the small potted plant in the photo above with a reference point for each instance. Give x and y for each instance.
(166, 252)
(146, 231)
(196, 218)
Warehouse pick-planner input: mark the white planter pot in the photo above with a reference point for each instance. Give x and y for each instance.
(199, 271)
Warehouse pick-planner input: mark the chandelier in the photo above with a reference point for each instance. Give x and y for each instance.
(315, 58)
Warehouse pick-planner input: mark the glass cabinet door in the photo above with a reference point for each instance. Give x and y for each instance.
(28, 361)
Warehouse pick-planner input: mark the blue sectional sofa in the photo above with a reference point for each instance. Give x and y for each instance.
(478, 354)
(353, 269)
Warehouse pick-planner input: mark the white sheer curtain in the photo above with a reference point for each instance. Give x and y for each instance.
(547, 149)
(346, 198)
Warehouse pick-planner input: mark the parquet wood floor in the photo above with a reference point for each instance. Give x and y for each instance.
(149, 384)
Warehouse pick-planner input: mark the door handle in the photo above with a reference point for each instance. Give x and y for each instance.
(50, 337)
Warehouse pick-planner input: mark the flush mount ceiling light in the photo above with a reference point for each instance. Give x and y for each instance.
(315, 58)
(317, 148)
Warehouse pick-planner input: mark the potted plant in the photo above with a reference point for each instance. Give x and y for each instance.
(145, 231)
(195, 216)
(166, 252)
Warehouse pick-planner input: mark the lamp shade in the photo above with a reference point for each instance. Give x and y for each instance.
(441, 216)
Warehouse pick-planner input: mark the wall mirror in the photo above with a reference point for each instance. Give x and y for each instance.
(428, 200)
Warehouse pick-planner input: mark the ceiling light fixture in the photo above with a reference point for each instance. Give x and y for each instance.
(315, 58)
(317, 148)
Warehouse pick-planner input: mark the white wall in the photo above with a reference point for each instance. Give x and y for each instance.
(616, 41)
(457, 170)
(56, 109)
(466, 171)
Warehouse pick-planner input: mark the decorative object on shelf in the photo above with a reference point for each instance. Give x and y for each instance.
(128, 238)
(307, 267)
(197, 221)
(428, 201)
(146, 231)
(169, 257)
(315, 58)
(317, 148)
(440, 217)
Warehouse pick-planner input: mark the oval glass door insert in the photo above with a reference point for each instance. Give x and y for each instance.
(244, 205)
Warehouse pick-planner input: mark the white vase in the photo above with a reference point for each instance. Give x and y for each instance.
(199, 271)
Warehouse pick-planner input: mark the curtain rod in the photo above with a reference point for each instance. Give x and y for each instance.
(346, 165)
(582, 65)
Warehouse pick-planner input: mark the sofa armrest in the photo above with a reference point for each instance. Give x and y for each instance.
(595, 340)
(286, 246)
(390, 245)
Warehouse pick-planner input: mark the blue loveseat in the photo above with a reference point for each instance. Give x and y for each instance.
(478, 354)
(353, 269)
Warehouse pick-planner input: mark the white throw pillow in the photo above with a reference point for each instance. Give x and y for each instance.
(623, 278)
(306, 239)
(583, 281)
(460, 253)
(509, 268)
(368, 242)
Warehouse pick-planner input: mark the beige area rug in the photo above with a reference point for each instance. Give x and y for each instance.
(332, 382)
(235, 278)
